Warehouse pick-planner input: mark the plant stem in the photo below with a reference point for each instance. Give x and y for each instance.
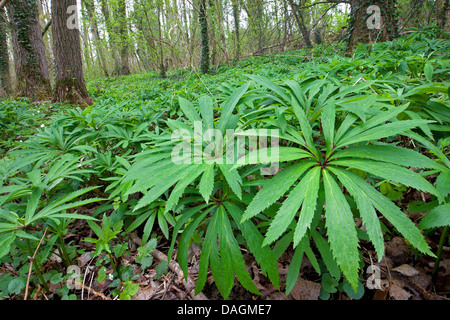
(111, 259)
(439, 254)
(63, 251)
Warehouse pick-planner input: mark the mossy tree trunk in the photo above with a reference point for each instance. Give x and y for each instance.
(363, 22)
(69, 80)
(31, 69)
(5, 81)
(204, 62)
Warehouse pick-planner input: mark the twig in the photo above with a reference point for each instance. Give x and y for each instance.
(31, 264)
(95, 293)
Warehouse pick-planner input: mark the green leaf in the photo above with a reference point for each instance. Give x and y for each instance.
(207, 182)
(327, 120)
(390, 172)
(443, 183)
(388, 153)
(325, 252)
(229, 105)
(428, 70)
(436, 218)
(32, 205)
(392, 213)
(233, 178)
(366, 209)
(307, 189)
(275, 188)
(189, 110)
(341, 230)
(383, 131)
(262, 253)
(309, 204)
(206, 111)
(295, 265)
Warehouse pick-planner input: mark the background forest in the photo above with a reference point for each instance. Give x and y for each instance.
(94, 93)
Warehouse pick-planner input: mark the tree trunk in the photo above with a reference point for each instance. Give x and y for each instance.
(121, 18)
(301, 23)
(237, 45)
(368, 25)
(204, 62)
(69, 80)
(5, 82)
(33, 79)
(94, 29)
(109, 29)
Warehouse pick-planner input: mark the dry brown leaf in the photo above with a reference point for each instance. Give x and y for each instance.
(397, 292)
(406, 270)
(305, 290)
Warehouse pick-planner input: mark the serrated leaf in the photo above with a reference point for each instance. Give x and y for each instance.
(392, 213)
(436, 218)
(366, 209)
(390, 172)
(275, 188)
(388, 153)
(341, 230)
(207, 182)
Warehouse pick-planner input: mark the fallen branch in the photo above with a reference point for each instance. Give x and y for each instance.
(31, 264)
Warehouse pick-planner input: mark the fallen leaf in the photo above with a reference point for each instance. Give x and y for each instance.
(305, 290)
(397, 292)
(406, 270)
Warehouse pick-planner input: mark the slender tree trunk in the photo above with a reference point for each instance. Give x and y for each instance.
(5, 80)
(111, 35)
(237, 45)
(69, 80)
(123, 36)
(204, 62)
(162, 66)
(298, 15)
(219, 12)
(29, 52)
(97, 42)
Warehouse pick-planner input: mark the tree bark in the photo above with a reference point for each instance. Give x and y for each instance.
(121, 18)
(237, 45)
(5, 80)
(360, 21)
(31, 69)
(94, 29)
(301, 23)
(204, 62)
(69, 80)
